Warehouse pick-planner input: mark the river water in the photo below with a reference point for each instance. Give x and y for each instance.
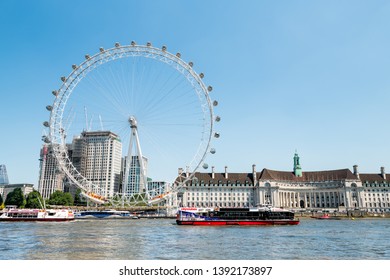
(162, 239)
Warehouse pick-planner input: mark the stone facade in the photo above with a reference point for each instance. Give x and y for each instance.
(340, 190)
(219, 190)
(6, 189)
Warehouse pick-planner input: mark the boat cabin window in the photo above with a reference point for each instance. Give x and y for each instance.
(23, 215)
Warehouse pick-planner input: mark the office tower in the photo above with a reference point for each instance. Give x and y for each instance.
(97, 155)
(50, 176)
(134, 182)
(3, 175)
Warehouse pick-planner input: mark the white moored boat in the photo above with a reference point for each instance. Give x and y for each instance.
(38, 215)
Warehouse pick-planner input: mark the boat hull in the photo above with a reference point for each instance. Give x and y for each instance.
(36, 219)
(238, 223)
(110, 214)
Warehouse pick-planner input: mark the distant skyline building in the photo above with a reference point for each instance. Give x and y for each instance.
(134, 180)
(75, 156)
(6, 189)
(156, 188)
(3, 175)
(51, 178)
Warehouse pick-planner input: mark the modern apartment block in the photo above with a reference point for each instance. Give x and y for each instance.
(50, 176)
(134, 175)
(156, 188)
(98, 156)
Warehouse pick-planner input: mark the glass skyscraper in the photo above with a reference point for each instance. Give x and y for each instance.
(3, 175)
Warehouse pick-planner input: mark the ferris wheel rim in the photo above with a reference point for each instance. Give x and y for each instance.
(57, 133)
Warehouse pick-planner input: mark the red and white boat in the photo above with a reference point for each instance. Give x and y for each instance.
(36, 215)
(326, 217)
(257, 216)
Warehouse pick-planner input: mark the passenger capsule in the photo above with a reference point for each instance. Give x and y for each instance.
(215, 103)
(46, 124)
(74, 66)
(217, 118)
(191, 64)
(148, 44)
(63, 79)
(209, 88)
(164, 48)
(133, 43)
(212, 151)
(101, 49)
(49, 108)
(46, 139)
(87, 56)
(205, 165)
(216, 135)
(201, 75)
(117, 45)
(178, 55)
(54, 92)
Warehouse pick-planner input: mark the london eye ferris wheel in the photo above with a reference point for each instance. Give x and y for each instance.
(155, 107)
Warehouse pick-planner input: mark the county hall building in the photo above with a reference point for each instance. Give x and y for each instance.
(340, 189)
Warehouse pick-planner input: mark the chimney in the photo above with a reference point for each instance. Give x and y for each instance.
(226, 173)
(254, 174)
(212, 172)
(355, 171)
(383, 173)
(180, 171)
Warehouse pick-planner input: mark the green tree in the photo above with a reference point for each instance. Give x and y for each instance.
(1, 202)
(78, 200)
(34, 200)
(16, 197)
(60, 198)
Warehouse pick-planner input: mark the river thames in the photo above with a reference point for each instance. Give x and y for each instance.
(162, 239)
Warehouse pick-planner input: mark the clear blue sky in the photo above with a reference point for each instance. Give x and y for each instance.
(307, 75)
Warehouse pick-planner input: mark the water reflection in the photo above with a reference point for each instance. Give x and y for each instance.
(163, 239)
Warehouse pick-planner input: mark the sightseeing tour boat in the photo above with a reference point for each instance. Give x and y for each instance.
(105, 214)
(36, 215)
(257, 216)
